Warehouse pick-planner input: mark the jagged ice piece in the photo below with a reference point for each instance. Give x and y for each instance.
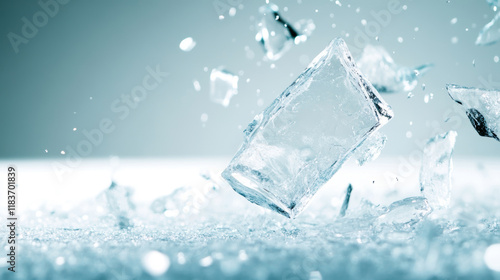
(223, 86)
(305, 135)
(120, 204)
(490, 33)
(183, 200)
(345, 204)
(435, 173)
(482, 107)
(403, 214)
(371, 148)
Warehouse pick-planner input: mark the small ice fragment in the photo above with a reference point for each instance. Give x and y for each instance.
(493, 2)
(184, 200)
(490, 33)
(371, 148)
(453, 20)
(435, 172)
(63, 152)
(155, 263)
(196, 85)
(206, 261)
(345, 204)
(492, 257)
(315, 275)
(482, 107)
(223, 86)
(307, 133)
(404, 214)
(119, 204)
(380, 69)
(187, 44)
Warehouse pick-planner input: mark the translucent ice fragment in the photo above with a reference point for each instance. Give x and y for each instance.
(435, 173)
(404, 214)
(345, 204)
(277, 35)
(120, 204)
(371, 148)
(490, 33)
(482, 107)
(305, 135)
(187, 44)
(184, 200)
(492, 2)
(380, 69)
(223, 86)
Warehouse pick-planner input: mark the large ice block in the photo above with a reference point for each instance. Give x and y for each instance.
(490, 33)
(482, 107)
(305, 135)
(435, 173)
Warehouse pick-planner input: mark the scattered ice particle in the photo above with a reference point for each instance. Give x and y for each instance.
(60, 260)
(481, 106)
(492, 257)
(242, 255)
(380, 69)
(206, 261)
(249, 53)
(405, 7)
(490, 33)
(260, 102)
(435, 172)
(410, 95)
(493, 2)
(181, 259)
(334, 25)
(223, 86)
(63, 152)
(119, 203)
(423, 87)
(316, 10)
(409, 134)
(315, 275)
(205, 69)
(46, 151)
(426, 98)
(74, 128)
(370, 149)
(402, 215)
(221, 17)
(196, 85)
(155, 263)
(272, 66)
(204, 117)
(345, 204)
(496, 59)
(400, 39)
(91, 98)
(183, 200)
(332, 15)
(416, 29)
(327, 117)
(187, 44)
(338, 3)
(474, 63)
(453, 20)
(358, 9)
(232, 12)
(363, 22)
(454, 40)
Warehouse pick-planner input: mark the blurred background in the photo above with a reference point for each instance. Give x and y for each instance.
(70, 77)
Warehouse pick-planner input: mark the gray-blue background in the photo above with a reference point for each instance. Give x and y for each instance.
(100, 49)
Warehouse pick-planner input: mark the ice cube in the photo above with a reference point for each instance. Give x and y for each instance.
(387, 77)
(277, 35)
(490, 33)
(223, 86)
(435, 173)
(403, 214)
(482, 107)
(371, 148)
(120, 204)
(305, 135)
(345, 204)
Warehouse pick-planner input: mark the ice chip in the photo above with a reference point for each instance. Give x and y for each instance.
(223, 86)
(371, 148)
(120, 204)
(482, 107)
(302, 139)
(183, 200)
(387, 77)
(345, 204)
(435, 173)
(490, 33)
(187, 44)
(403, 214)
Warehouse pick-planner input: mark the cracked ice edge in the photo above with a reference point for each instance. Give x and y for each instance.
(382, 110)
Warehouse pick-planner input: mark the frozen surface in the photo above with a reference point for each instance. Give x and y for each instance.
(371, 148)
(387, 77)
(435, 172)
(223, 86)
(490, 33)
(295, 146)
(482, 107)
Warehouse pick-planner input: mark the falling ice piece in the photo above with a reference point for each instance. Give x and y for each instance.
(490, 33)
(223, 85)
(305, 135)
(345, 204)
(277, 35)
(435, 173)
(184, 200)
(120, 204)
(482, 106)
(371, 148)
(384, 74)
(187, 44)
(403, 214)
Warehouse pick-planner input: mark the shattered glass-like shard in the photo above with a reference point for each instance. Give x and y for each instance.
(435, 173)
(345, 204)
(482, 107)
(305, 135)
(403, 214)
(184, 200)
(120, 204)
(490, 33)
(223, 86)
(387, 77)
(371, 148)
(277, 35)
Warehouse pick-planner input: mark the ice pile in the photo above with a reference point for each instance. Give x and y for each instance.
(223, 86)
(482, 106)
(305, 135)
(387, 77)
(490, 33)
(277, 35)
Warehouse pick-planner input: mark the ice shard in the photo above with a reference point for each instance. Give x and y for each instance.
(435, 172)
(403, 214)
(482, 107)
(490, 33)
(276, 35)
(223, 86)
(387, 77)
(120, 204)
(184, 200)
(492, 2)
(371, 148)
(302, 139)
(345, 204)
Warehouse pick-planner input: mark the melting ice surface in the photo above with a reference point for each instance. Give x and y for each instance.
(371, 148)
(223, 86)
(277, 35)
(380, 69)
(482, 106)
(435, 173)
(306, 134)
(490, 33)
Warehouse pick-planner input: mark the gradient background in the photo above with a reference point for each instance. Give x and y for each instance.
(100, 49)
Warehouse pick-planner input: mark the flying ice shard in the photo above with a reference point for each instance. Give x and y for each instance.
(435, 173)
(387, 77)
(305, 135)
(277, 35)
(223, 86)
(371, 148)
(345, 204)
(120, 204)
(490, 33)
(482, 106)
